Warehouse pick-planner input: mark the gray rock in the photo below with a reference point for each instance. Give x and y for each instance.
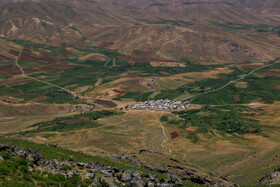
(167, 185)
(89, 175)
(126, 176)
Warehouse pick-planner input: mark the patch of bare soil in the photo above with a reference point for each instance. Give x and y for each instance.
(105, 103)
(191, 128)
(174, 135)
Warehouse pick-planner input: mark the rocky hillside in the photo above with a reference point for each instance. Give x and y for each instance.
(272, 178)
(55, 166)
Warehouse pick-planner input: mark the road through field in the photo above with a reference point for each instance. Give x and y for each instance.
(233, 81)
(38, 80)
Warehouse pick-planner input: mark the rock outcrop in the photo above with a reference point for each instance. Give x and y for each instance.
(271, 178)
(97, 172)
(175, 171)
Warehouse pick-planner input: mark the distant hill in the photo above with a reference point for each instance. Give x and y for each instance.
(153, 22)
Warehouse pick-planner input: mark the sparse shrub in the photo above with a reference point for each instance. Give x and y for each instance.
(164, 118)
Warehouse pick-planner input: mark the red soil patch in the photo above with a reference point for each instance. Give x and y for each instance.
(26, 57)
(55, 67)
(192, 129)
(251, 66)
(120, 93)
(13, 52)
(270, 74)
(43, 53)
(13, 95)
(174, 135)
(30, 69)
(41, 134)
(49, 126)
(164, 73)
(108, 104)
(236, 98)
(18, 81)
(47, 59)
(10, 71)
(106, 44)
(64, 134)
(36, 99)
(277, 87)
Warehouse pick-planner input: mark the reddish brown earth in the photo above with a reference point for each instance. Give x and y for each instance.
(18, 81)
(13, 95)
(53, 67)
(36, 99)
(120, 93)
(13, 52)
(26, 57)
(41, 134)
(108, 104)
(106, 44)
(192, 128)
(251, 66)
(164, 73)
(277, 87)
(10, 71)
(174, 135)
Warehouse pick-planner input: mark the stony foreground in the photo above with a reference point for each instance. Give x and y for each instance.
(99, 174)
(272, 178)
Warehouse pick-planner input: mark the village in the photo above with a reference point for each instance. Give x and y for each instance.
(162, 104)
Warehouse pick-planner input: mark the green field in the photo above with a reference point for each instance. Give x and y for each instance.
(76, 122)
(260, 28)
(235, 120)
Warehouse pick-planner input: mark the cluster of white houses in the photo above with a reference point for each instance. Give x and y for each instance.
(162, 104)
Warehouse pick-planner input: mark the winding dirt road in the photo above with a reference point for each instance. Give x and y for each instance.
(233, 81)
(38, 80)
(163, 143)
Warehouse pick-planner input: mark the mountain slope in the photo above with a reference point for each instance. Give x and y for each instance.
(149, 26)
